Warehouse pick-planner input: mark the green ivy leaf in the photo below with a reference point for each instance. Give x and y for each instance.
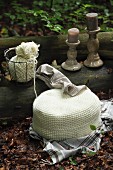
(92, 127)
(90, 153)
(72, 161)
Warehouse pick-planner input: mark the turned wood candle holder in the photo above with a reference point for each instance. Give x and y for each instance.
(93, 59)
(71, 63)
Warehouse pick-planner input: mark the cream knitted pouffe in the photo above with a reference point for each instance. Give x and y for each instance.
(58, 116)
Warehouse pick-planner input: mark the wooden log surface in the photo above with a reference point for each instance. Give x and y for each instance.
(55, 48)
(16, 99)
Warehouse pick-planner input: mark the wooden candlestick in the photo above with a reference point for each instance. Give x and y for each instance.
(93, 59)
(71, 63)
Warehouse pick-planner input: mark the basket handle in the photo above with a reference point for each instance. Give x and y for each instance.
(7, 50)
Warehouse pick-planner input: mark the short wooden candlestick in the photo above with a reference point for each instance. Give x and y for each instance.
(93, 59)
(71, 63)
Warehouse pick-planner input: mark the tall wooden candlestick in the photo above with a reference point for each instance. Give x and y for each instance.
(93, 59)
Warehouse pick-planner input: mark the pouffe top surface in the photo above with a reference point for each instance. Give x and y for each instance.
(58, 116)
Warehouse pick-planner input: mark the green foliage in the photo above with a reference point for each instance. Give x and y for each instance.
(88, 152)
(72, 161)
(61, 168)
(56, 15)
(93, 127)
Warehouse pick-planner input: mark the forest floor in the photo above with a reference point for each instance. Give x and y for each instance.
(18, 151)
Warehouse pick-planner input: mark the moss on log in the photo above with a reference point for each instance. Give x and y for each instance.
(54, 47)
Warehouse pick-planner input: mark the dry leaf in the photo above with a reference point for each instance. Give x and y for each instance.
(8, 77)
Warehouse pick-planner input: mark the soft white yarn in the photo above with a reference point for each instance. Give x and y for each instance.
(58, 116)
(27, 50)
(22, 66)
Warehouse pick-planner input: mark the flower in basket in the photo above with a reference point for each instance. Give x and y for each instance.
(22, 66)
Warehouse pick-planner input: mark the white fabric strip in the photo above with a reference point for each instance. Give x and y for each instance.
(55, 79)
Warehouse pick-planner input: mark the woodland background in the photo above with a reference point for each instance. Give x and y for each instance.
(48, 17)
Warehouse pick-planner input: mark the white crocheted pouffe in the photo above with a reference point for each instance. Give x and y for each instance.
(58, 116)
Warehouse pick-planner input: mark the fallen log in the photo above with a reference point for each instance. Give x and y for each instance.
(16, 99)
(55, 48)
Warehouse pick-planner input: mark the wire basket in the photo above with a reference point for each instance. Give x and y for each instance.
(20, 69)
